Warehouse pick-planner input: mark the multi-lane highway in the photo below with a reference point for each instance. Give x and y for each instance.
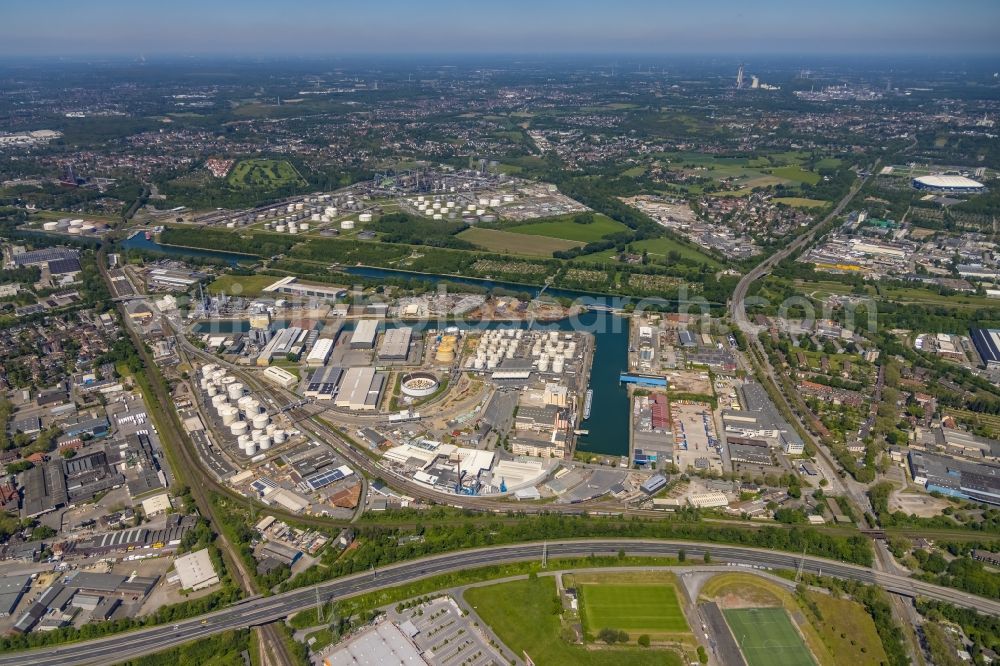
(263, 610)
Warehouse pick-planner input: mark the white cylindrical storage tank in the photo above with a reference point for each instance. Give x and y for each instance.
(255, 435)
(437, 216)
(279, 436)
(304, 226)
(271, 427)
(347, 225)
(260, 421)
(494, 203)
(365, 217)
(76, 223)
(74, 230)
(264, 443)
(436, 205)
(229, 415)
(483, 201)
(227, 380)
(314, 217)
(243, 440)
(205, 383)
(252, 407)
(557, 365)
(207, 370)
(217, 375)
(251, 450)
(280, 228)
(238, 428)
(508, 198)
(50, 226)
(543, 364)
(235, 391)
(299, 206)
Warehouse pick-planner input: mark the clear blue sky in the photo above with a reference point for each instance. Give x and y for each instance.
(321, 27)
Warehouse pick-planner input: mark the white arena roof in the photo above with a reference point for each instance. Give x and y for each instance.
(948, 182)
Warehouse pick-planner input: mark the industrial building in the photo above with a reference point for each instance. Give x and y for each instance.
(978, 482)
(12, 588)
(290, 286)
(360, 389)
(987, 342)
(395, 344)
(948, 183)
(286, 341)
(280, 376)
(364, 334)
(324, 383)
(196, 570)
(654, 484)
(320, 353)
(383, 644)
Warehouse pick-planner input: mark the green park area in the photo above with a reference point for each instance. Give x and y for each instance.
(264, 175)
(797, 174)
(525, 614)
(241, 285)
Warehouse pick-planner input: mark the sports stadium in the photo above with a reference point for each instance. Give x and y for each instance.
(940, 183)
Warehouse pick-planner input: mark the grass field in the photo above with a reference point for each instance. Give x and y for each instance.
(241, 285)
(800, 202)
(797, 174)
(767, 638)
(264, 174)
(567, 229)
(522, 613)
(636, 609)
(658, 248)
(506, 241)
(847, 630)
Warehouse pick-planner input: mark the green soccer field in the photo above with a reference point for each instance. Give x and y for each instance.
(636, 609)
(767, 638)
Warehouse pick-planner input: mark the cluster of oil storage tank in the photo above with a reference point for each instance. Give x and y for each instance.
(75, 227)
(437, 207)
(239, 411)
(552, 349)
(494, 346)
(446, 349)
(300, 216)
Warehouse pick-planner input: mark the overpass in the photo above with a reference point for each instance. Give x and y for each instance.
(263, 610)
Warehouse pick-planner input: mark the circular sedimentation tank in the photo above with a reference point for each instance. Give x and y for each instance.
(418, 384)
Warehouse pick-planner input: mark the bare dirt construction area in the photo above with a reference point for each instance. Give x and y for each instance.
(924, 506)
(690, 381)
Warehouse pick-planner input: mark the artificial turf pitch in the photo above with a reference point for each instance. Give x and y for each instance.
(636, 609)
(767, 638)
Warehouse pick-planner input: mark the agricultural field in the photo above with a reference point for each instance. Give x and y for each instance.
(240, 285)
(638, 609)
(567, 229)
(523, 613)
(767, 637)
(264, 174)
(513, 243)
(800, 202)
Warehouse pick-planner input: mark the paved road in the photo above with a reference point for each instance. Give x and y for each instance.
(263, 610)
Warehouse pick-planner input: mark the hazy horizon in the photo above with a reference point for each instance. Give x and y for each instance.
(310, 28)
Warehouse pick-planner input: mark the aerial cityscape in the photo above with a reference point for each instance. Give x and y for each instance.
(537, 334)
